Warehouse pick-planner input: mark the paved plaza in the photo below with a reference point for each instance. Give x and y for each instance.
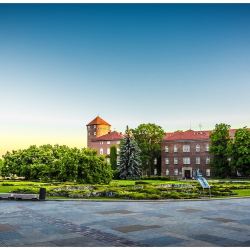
(89, 223)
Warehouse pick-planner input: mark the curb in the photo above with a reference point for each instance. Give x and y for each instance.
(153, 201)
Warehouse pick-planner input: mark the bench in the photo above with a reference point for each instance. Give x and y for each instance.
(14, 196)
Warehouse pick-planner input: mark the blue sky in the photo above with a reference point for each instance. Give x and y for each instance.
(171, 64)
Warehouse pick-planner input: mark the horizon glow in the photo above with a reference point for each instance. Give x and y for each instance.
(176, 65)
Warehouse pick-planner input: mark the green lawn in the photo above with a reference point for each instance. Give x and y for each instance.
(242, 192)
(130, 189)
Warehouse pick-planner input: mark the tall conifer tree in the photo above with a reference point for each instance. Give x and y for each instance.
(130, 162)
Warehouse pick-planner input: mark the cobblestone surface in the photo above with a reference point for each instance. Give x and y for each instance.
(88, 223)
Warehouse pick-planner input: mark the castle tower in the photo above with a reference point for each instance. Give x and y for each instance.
(96, 128)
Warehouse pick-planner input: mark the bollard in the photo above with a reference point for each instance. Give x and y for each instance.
(42, 194)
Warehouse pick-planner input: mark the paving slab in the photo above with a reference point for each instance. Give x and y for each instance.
(104, 224)
(132, 228)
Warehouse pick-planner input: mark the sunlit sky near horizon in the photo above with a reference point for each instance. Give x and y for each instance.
(176, 65)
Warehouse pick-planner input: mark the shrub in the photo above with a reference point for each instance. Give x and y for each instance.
(163, 178)
(79, 194)
(149, 191)
(61, 192)
(153, 196)
(137, 196)
(26, 191)
(7, 184)
(171, 195)
(141, 182)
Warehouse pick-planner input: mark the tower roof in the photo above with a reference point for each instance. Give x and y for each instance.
(98, 121)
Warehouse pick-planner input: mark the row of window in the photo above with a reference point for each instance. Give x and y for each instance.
(108, 151)
(176, 172)
(186, 148)
(108, 142)
(186, 160)
(93, 126)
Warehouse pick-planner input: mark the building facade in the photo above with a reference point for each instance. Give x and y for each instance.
(183, 152)
(101, 138)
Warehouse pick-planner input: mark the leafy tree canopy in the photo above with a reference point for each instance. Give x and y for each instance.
(149, 138)
(113, 157)
(61, 163)
(241, 151)
(220, 147)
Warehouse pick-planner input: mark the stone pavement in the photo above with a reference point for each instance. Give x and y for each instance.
(89, 223)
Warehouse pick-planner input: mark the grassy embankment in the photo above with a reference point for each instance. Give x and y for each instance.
(128, 189)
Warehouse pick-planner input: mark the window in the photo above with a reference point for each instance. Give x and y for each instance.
(208, 172)
(108, 151)
(175, 148)
(155, 171)
(175, 160)
(198, 148)
(94, 126)
(198, 160)
(207, 147)
(108, 142)
(207, 160)
(155, 161)
(176, 171)
(186, 160)
(101, 151)
(94, 133)
(89, 133)
(166, 161)
(88, 127)
(186, 148)
(167, 172)
(166, 149)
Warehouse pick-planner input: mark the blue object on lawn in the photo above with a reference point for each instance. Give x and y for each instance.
(201, 179)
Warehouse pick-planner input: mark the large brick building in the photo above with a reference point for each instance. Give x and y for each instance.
(184, 152)
(101, 138)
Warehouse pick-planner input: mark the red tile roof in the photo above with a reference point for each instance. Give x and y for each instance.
(111, 136)
(98, 121)
(191, 135)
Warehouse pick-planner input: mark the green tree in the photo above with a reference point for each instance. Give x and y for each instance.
(220, 150)
(149, 138)
(130, 162)
(57, 163)
(93, 168)
(1, 166)
(113, 157)
(113, 161)
(241, 151)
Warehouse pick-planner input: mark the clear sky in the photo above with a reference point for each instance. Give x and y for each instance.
(170, 64)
